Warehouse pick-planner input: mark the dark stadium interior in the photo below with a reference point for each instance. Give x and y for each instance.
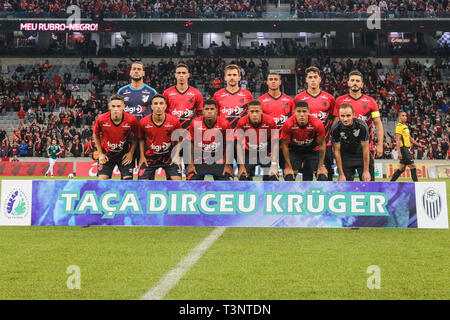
(66, 77)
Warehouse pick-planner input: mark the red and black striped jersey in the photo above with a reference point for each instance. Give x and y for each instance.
(232, 106)
(183, 105)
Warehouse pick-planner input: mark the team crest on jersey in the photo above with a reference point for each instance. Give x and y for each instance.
(191, 100)
(365, 106)
(324, 104)
(145, 98)
(126, 99)
(242, 100)
(356, 132)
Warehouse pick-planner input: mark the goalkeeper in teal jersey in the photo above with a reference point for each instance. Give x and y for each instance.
(53, 151)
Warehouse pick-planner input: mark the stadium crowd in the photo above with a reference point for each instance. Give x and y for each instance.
(53, 108)
(138, 8)
(358, 8)
(223, 8)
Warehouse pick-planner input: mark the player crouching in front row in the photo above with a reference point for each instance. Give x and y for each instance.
(160, 136)
(115, 139)
(303, 145)
(257, 144)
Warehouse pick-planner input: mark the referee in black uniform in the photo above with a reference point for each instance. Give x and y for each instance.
(350, 138)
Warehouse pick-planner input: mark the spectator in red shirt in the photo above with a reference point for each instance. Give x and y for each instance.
(21, 114)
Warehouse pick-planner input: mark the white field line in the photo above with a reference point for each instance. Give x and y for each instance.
(166, 283)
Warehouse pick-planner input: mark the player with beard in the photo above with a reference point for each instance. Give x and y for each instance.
(303, 145)
(275, 103)
(158, 150)
(183, 101)
(232, 100)
(115, 139)
(350, 137)
(211, 149)
(321, 106)
(366, 109)
(137, 97)
(257, 144)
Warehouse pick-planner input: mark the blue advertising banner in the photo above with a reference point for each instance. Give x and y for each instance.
(234, 204)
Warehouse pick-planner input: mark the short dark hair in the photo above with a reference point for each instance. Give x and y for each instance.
(158, 96)
(254, 103)
(210, 102)
(274, 74)
(116, 97)
(301, 104)
(182, 65)
(346, 106)
(312, 69)
(356, 73)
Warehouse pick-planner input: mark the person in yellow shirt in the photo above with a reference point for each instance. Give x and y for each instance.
(404, 141)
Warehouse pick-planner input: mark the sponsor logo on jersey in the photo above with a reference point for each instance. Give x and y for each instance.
(213, 146)
(230, 111)
(134, 110)
(259, 146)
(300, 143)
(320, 115)
(115, 147)
(161, 148)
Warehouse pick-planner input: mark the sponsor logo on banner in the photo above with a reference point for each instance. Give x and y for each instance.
(433, 170)
(431, 205)
(25, 169)
(432, 202)
(16, 202)
(439, 172)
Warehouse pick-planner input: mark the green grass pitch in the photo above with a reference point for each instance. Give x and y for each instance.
(244, 263)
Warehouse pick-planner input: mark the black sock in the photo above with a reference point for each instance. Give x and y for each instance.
(396, 175)
(414, 174)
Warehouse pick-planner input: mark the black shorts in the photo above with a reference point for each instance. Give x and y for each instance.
(306, 163)
(108, 168)
(407, 157)
(215, 170)
(329, 157)
(148, 172)
(352, 165)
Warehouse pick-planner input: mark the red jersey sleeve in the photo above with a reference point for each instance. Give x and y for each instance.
(96, 128)
(285, 132)
(140, 131)
(320, 129)
(199, 102)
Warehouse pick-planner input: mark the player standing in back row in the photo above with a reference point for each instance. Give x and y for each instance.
(137, 98)
(137, 95)
(366, 109)
(232, 100)
(321, 106)
(183, 101)
(275, 103)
